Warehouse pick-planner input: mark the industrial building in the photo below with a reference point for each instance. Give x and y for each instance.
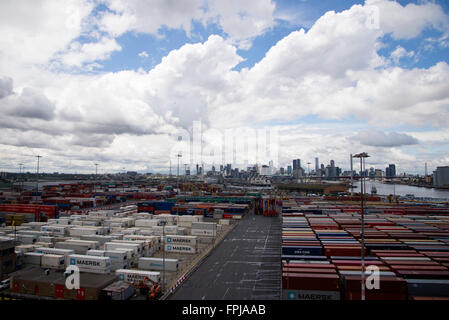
(441, 177)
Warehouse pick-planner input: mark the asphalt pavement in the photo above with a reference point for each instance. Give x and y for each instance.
(246, 265)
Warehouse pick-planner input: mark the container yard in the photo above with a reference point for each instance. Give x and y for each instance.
(322, 250)
(146, 247)
(252, 245)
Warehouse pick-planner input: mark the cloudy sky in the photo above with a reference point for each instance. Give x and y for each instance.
(117, 82)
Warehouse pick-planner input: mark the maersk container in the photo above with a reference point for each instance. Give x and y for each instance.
(91, 244)
(179, 248)
(133, 276)
(32, 258)
(55, 230)
(184, 240)
(118, 258)
(56, 251)
(314, 295)
(91, 264)
(158, 264)
(53, 261)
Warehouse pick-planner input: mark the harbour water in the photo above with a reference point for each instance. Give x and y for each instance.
(403, 190)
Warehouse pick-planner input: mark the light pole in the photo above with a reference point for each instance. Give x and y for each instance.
(37, 173)
(352, 173)
(179, 155)
(20, 177)
(308, 169)
(96, 175)
(362, 157)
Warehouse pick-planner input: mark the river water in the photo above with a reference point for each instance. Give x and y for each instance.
(402, 190)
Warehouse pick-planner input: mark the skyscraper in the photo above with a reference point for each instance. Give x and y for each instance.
(289, 170)
(317, 166)
(390, 171)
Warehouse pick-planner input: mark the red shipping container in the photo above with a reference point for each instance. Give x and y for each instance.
(394, 285)
(415, 267)
(310, 265)
(422, 274)
(309, 270)
(310, 281)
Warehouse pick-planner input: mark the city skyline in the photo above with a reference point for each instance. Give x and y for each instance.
(115, 82)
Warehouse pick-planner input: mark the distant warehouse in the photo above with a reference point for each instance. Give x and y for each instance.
(441, 177)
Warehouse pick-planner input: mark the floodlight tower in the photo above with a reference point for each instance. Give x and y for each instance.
(37, 173)
(362, 157)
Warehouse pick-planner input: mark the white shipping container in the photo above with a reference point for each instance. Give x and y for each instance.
(137, 275)
(32, 233)
(77, 232)
(43, 244)
(179, 248)
(26, 238)
(184, 240)
(77, 247)
(143, 245)
(147, 223)
(185, 224)
(32, 258)
(128, 246)
(204, 225)
(158, 264)
(90, 263)
(47, 239)
(96, 253)
(47, 250)
(203, 232)
(53, 261)
(56, 230)
(25, 248)
(100, 238)
(91, 244)
(224, 221)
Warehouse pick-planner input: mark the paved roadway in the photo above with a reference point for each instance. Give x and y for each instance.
(246, 265)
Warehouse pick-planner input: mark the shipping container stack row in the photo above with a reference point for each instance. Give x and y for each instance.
(409, 253)
(228, 210)
(104, 243)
